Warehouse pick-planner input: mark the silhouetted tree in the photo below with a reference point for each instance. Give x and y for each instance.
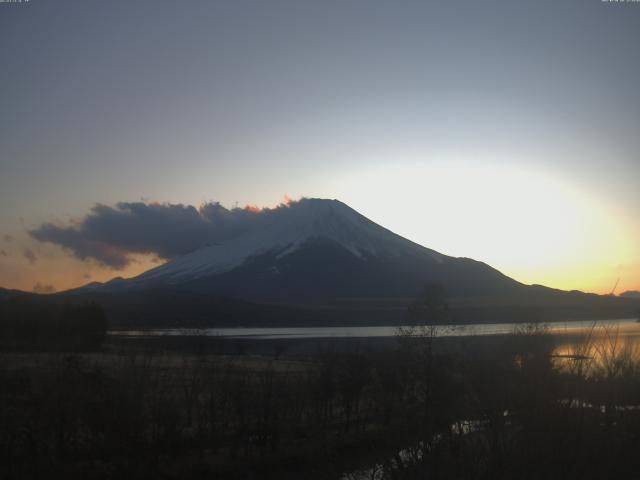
(430, 307)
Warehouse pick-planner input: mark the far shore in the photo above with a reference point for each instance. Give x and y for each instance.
(197, 341)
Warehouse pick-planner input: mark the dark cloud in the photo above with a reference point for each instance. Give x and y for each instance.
(3, 253)
(43, 288)
(110, 234)
(7, 238)
(30, 256)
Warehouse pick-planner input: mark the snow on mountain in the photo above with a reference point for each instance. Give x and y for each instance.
(320, 261)
(287, 229)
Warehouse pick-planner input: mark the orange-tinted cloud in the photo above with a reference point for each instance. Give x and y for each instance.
(252, 208)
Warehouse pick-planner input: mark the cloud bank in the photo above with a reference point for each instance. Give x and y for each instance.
(110, 234)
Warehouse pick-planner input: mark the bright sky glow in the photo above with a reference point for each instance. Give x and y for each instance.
(533, 227)
(498, 130)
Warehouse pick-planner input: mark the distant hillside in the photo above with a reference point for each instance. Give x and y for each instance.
(173, 307)
(319, 262)
(46, 322)
(630, 294)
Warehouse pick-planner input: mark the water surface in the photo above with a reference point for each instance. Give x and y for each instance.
(624, 328)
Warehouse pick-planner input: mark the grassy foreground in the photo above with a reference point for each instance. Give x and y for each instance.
(504, 407)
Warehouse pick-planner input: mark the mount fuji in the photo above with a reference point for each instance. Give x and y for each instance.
(320, 262)
(318, 250)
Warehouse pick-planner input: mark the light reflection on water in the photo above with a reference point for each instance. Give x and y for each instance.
(628, 328)
(605, 347)
(610, 349)
(607, 350)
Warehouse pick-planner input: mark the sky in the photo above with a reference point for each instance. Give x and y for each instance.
(503, 131)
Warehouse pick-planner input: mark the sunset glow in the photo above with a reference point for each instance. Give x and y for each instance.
(491, 148)
(531, 226)
(328, 239)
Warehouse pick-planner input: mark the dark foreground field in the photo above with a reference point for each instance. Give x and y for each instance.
(466, 408)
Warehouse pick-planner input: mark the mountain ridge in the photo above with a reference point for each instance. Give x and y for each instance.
(319, 262)
(318, 250)
(290, 228)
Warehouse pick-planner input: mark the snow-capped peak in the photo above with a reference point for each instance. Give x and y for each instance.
(285, 230)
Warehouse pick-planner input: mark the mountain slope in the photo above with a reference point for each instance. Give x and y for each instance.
(319, 262)
(287, 230)
(318, 251)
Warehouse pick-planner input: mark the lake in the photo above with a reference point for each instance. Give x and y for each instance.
(623, 327)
